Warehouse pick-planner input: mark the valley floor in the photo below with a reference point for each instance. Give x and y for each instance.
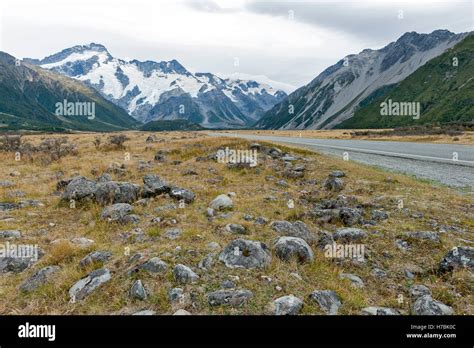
(384, 208)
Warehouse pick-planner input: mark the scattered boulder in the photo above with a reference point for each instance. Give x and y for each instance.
(173, 233)
(111, 192)
(116, 212)
(176, 296)
(87, 285)
(324, 238)
(295, 172)
(154, 265)
(348, 235)
(457, 258)
(26, 257)
(356, 282)
(333, 184)
(10, 234)
(182, 194)
(426, 305)
(328, 301)
(154, 186)
(38, 279)
(105, 177)
(287, 248)
(80, 188)
(261, 220)
(221, 202)
(6, 206)
(417, 291)
(138, 291)
(236, 228)
(350, 216)
(184, 275)
(297, 229)
(245, 254)
(233, 298)
(95, 257)
(379, 215)
(286, 305)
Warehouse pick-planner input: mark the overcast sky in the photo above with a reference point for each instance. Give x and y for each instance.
(286, 41)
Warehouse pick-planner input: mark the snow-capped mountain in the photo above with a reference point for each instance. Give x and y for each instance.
(165, 90)
(337, 92)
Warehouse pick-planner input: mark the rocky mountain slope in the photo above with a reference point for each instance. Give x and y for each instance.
(444, 87)
(28, 97)
(165, 90)
(337, 92)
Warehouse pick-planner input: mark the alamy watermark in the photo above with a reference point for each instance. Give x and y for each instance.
(345, 251)
(394, 108)
(237, 156)
(66, 108)
(21, 251)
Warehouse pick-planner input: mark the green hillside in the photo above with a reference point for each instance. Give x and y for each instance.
(28, 97)
(445, 93)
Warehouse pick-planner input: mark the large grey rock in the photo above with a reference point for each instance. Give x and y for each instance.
(38, 279)
(348, 235)
(286, 305)
(116, 192)
(80, 188)
(138, 291)
(154, 265)
(153, 185)
(416, 291)
(10, 234)
(221, 202)
(328, 301)
(182, 194)
(333, 184)
(287, 248)
(24, 257)
(350, 216)
(95, 257)
(233, 298)
(296, 229)
(236, 228)
(184, 275)
(380, 311)
(456, 258)
(426, 305)
(87, 285)
(242, 253)
(116, 212)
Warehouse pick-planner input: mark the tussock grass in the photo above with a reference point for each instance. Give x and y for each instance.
(56, 220)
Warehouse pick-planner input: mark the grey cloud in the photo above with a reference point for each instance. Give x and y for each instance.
(372, 22)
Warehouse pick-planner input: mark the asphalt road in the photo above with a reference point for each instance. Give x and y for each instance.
(449, 164)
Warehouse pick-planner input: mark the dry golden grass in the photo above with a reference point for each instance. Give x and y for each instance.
(465, 139)
(57, 221)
